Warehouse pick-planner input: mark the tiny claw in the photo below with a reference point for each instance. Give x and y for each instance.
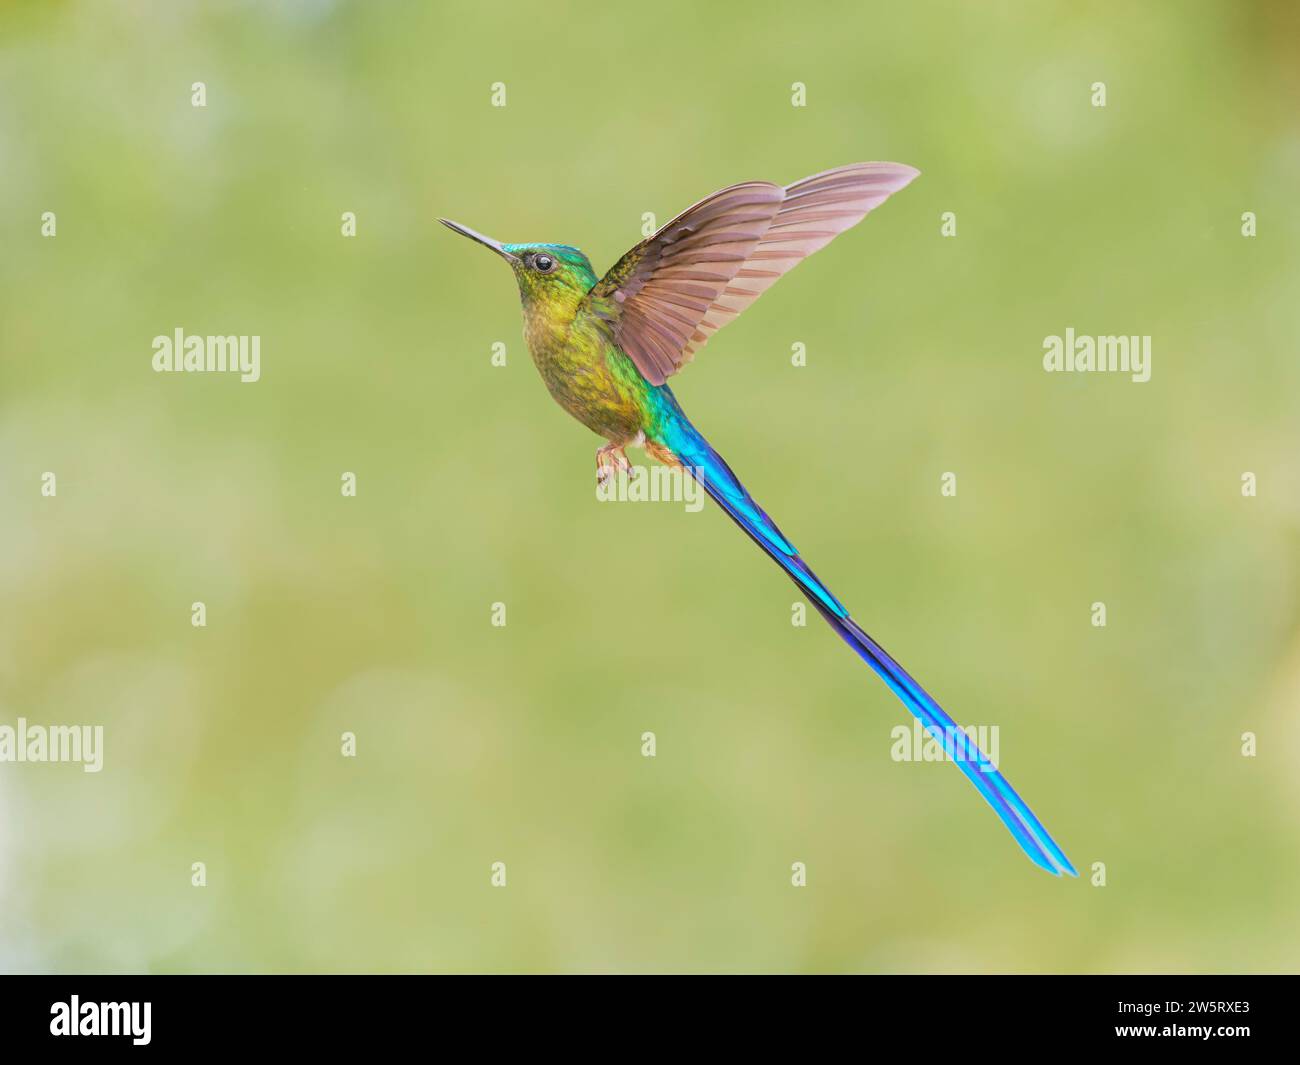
(609, 460)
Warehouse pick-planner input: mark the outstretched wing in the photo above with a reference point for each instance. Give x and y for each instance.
(671, 292)
(660, 291)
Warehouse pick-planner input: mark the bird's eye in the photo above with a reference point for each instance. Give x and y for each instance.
(543, 264)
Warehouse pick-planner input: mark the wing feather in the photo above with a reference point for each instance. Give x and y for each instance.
(672, 291)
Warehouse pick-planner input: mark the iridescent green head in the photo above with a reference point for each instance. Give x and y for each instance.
(545, 273)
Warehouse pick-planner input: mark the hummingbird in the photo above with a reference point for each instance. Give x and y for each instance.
(606, 346)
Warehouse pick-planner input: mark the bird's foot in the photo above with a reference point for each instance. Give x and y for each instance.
(609, 461)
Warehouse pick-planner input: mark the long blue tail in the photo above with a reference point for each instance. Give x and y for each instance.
(715, 476)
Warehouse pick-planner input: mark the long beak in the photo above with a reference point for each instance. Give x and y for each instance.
(487, 242)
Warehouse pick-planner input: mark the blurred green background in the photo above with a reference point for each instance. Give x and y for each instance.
(479, 744)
